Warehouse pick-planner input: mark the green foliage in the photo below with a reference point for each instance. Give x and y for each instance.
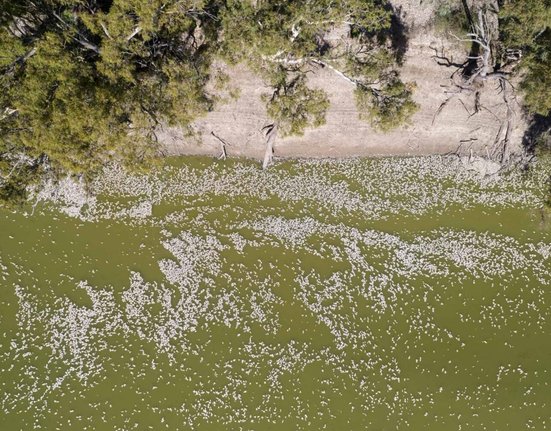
(387, 107)
(526, 25)
(523, 21)
(291, 29)
(281, 40)
(294, 106)
(536, 83)
(450, 17)
(269, 36)
(83, 82)
(89, 81)
(370, 67)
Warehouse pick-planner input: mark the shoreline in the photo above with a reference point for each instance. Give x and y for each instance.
(281, 158)
(443, 124)
(477, 162)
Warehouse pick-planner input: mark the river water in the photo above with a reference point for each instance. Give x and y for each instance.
(390, 294)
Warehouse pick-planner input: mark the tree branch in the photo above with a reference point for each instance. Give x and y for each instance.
(134, 33)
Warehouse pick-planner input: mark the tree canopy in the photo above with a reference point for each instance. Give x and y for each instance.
(87, 81)
(284, 40)
(526, 25)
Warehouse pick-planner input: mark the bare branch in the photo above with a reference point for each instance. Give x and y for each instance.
(440, 108)
(105, 30)
(271, 132)
(223, 144)
(134, 33)
(338, 72)
(84, 42)
(8, 112)
(19, 62)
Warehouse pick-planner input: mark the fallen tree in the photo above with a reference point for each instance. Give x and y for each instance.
(487, 68)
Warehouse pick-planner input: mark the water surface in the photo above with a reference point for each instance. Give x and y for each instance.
(390, 294)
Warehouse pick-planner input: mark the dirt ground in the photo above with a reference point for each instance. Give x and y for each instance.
(240, 122)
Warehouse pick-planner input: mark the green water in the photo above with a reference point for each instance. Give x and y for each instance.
(393, 294)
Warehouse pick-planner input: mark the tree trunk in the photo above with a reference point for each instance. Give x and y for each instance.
(270, 137)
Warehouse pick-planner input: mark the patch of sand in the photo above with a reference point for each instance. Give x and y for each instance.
(240, 122)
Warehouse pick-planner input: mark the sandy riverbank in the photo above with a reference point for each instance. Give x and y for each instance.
(455, 128)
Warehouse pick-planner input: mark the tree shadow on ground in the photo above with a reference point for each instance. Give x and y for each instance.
(534, 135)
(472, 63)
(396, 34)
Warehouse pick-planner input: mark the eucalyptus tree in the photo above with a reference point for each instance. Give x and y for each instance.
(284, 40)
(87, 81)
(84, 82)
(525, 27)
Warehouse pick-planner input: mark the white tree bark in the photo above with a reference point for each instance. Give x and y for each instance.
(269, 153)
(334, 69)
(224, 152)
(7, 112)
(134, 33)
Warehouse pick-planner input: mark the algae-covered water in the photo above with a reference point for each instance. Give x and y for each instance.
(392, 294)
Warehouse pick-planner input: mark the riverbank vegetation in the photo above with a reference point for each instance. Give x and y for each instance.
(84, 82)
(526, 28)
(507, 55)
(88, 81)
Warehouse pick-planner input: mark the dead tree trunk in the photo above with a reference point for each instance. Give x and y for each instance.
(270, 133)
(476, 71)
(223, 144)
(480, 35)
